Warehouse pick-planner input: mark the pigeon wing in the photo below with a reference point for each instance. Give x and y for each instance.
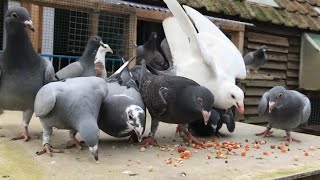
(45, 100)
(48, 71)
(166, 51)
(263, 105)
(248, 58)
(71, 71)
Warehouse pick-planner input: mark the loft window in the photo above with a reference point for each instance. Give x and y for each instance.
(265, 2)
(310, 62)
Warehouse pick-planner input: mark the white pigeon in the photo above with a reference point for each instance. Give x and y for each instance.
(100, 61)
(207, 56)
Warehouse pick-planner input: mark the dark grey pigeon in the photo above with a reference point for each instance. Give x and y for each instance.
(85, 66)
(22, 71)
(149, 52)
(255, 59)
(284, 109)
(217, 119)
(73, 104)
(172, 99)
(166, 51)
(122, 112)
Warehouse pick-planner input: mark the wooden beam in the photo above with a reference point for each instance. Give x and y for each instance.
(293, 57)
(277, 56)
(273, 48)
(264, 83)
(151, 15)
(238, 40)
(268, 39)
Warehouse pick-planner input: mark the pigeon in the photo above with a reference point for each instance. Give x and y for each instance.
(72, 104)
(284, 109)
(172, 99)
(254, 60)
(166, 51)
(207, 57)
(85, 66)
(148, 51)
(22, 71)
(100, 61)
(122, 112)
(217, 119)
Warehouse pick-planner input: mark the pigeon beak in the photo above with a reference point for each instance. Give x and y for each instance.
(94, 152)
(206, 116)
(138, 131)
(240, 107)
(272, 104)
(28, 24)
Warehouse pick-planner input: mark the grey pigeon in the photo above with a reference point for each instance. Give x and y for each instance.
(74, 105)
(149, 52)
(284, 109)
(85, 66)
(255, 59)
(172, 99)
(217, 119)
(22, 71)
(122, 112)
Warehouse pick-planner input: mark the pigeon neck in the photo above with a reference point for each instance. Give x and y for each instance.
(88, 56)
(18, 41)
(258, 52)
(151, 44)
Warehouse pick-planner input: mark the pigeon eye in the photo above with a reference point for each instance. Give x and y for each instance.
(14, 15)
(199, 100)
(232, 96)
(280, 95)
(96, 39)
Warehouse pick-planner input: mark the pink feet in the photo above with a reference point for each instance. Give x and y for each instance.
(24, 135)
(187, 136)
(47, 148)
(149, 141)
(266, 133)
(74, 143)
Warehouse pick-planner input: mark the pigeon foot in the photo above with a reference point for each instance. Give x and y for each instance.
(149, 141)
(219, 134)
(187, 136)
(47, 148)
(289, 138)
(266, 133)
(74, 143)
(24, 135)
(133, 138)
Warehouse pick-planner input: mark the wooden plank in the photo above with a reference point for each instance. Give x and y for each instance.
(294, 41)
(276, 74)
(294, 49)
(264, 83)
(293, 57)
(252, 91)
(280, 49)
(277, 56)
(251, 110)
(293, 65)
(276, 30)
(150, 15)
(292, 73)
(252, 101)
(274, 65)
(293, 82)
(259, 76)
(268, 39)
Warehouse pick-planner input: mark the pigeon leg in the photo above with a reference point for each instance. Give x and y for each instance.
(187, 136)
(133, 137)
(219, 134)
(27, 115)
(150, 140)
(73, 142)
(47, 148)
(266, 133)
(289, 138)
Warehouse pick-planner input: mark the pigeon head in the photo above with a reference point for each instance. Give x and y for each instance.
(93, 44)
(264, 48)
(153, 36)
(89, 132)
(276, 95)
(17, 17)
(151, 43)
(135, 118)
(233, 96)
(100, 56)
(202, 101)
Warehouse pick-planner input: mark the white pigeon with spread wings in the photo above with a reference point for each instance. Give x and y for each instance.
(207, 56)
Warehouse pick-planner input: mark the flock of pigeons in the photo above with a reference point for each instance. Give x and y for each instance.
(191, 83)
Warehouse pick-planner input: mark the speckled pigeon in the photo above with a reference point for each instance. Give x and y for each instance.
(122, 112)
(22, 71)
(172, 99)
(72, 104)
(284, 109)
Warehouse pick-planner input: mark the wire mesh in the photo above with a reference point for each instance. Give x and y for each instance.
(63, 28)
(314, 119)
(2, 11)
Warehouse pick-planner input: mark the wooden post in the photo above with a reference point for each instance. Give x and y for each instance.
(94, 23)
